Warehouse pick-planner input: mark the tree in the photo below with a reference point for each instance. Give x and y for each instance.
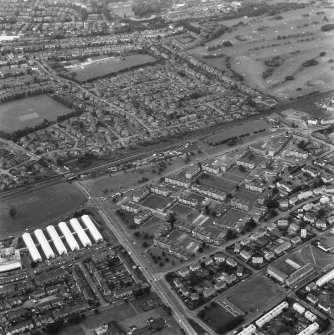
(321, 213)
(12, 212)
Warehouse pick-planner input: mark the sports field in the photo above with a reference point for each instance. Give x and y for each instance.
(294, 36)
(29, 112)
(38, 208)
(98, 68)
(254, 294)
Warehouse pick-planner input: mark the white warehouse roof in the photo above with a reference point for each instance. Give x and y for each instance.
(311, 329)
(81, 233)
(271, 314)
(34, 253)
(48, 252)
(326, 278)
(251, 329)
(56, 240)
(73, 244)
(92, 229)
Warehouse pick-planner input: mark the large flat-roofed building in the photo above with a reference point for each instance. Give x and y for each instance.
(10, 259)
(276, 273)
(48, 252)
(87, 221)
(56, 240)
(84, 239)
(33, 251)
(73, 244)
(299, 274)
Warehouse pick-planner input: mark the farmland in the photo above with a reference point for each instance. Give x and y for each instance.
(292, 38)
(39, 207)
(98, 68)
(29, 112)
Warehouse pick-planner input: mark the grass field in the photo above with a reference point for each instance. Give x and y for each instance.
(153, 201)
(247, 195)
(113, 65)
(217, 182)
(217, 316)
(181, 209)
(256, 40)
(233, 215)
(254, 294)
(39, 207)
(28, 112)
(241, 128)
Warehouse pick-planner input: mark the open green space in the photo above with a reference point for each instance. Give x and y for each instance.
(29, 112)
(233, 215)
(88, 71)
(254, 294)
(217, 182)
(217, 317)
(247, 195)
(236, 130)
(181, 209)
(294, 36)
(153, 201)
(39, 207)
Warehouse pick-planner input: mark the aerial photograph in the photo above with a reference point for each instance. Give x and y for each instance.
(167, 167)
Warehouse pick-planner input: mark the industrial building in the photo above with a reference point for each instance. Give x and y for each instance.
(48, 252)
(34, 253)
(10, 259)
(84, 239)
(326, 278)
(271, 314)
(92, 228)
(56, 240)
(299, 274)
(251, 329)
(311, 329)
(73, 244)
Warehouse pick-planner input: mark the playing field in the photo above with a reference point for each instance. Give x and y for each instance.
(37, 208)
(96, 69)
(254, 294)
(29, 112)
(295, 36)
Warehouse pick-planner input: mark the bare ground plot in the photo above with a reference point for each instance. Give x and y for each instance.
(217, 182)
(39, 208)
(29, 112)
(257, 40)
(95, 70)
(254, 294)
